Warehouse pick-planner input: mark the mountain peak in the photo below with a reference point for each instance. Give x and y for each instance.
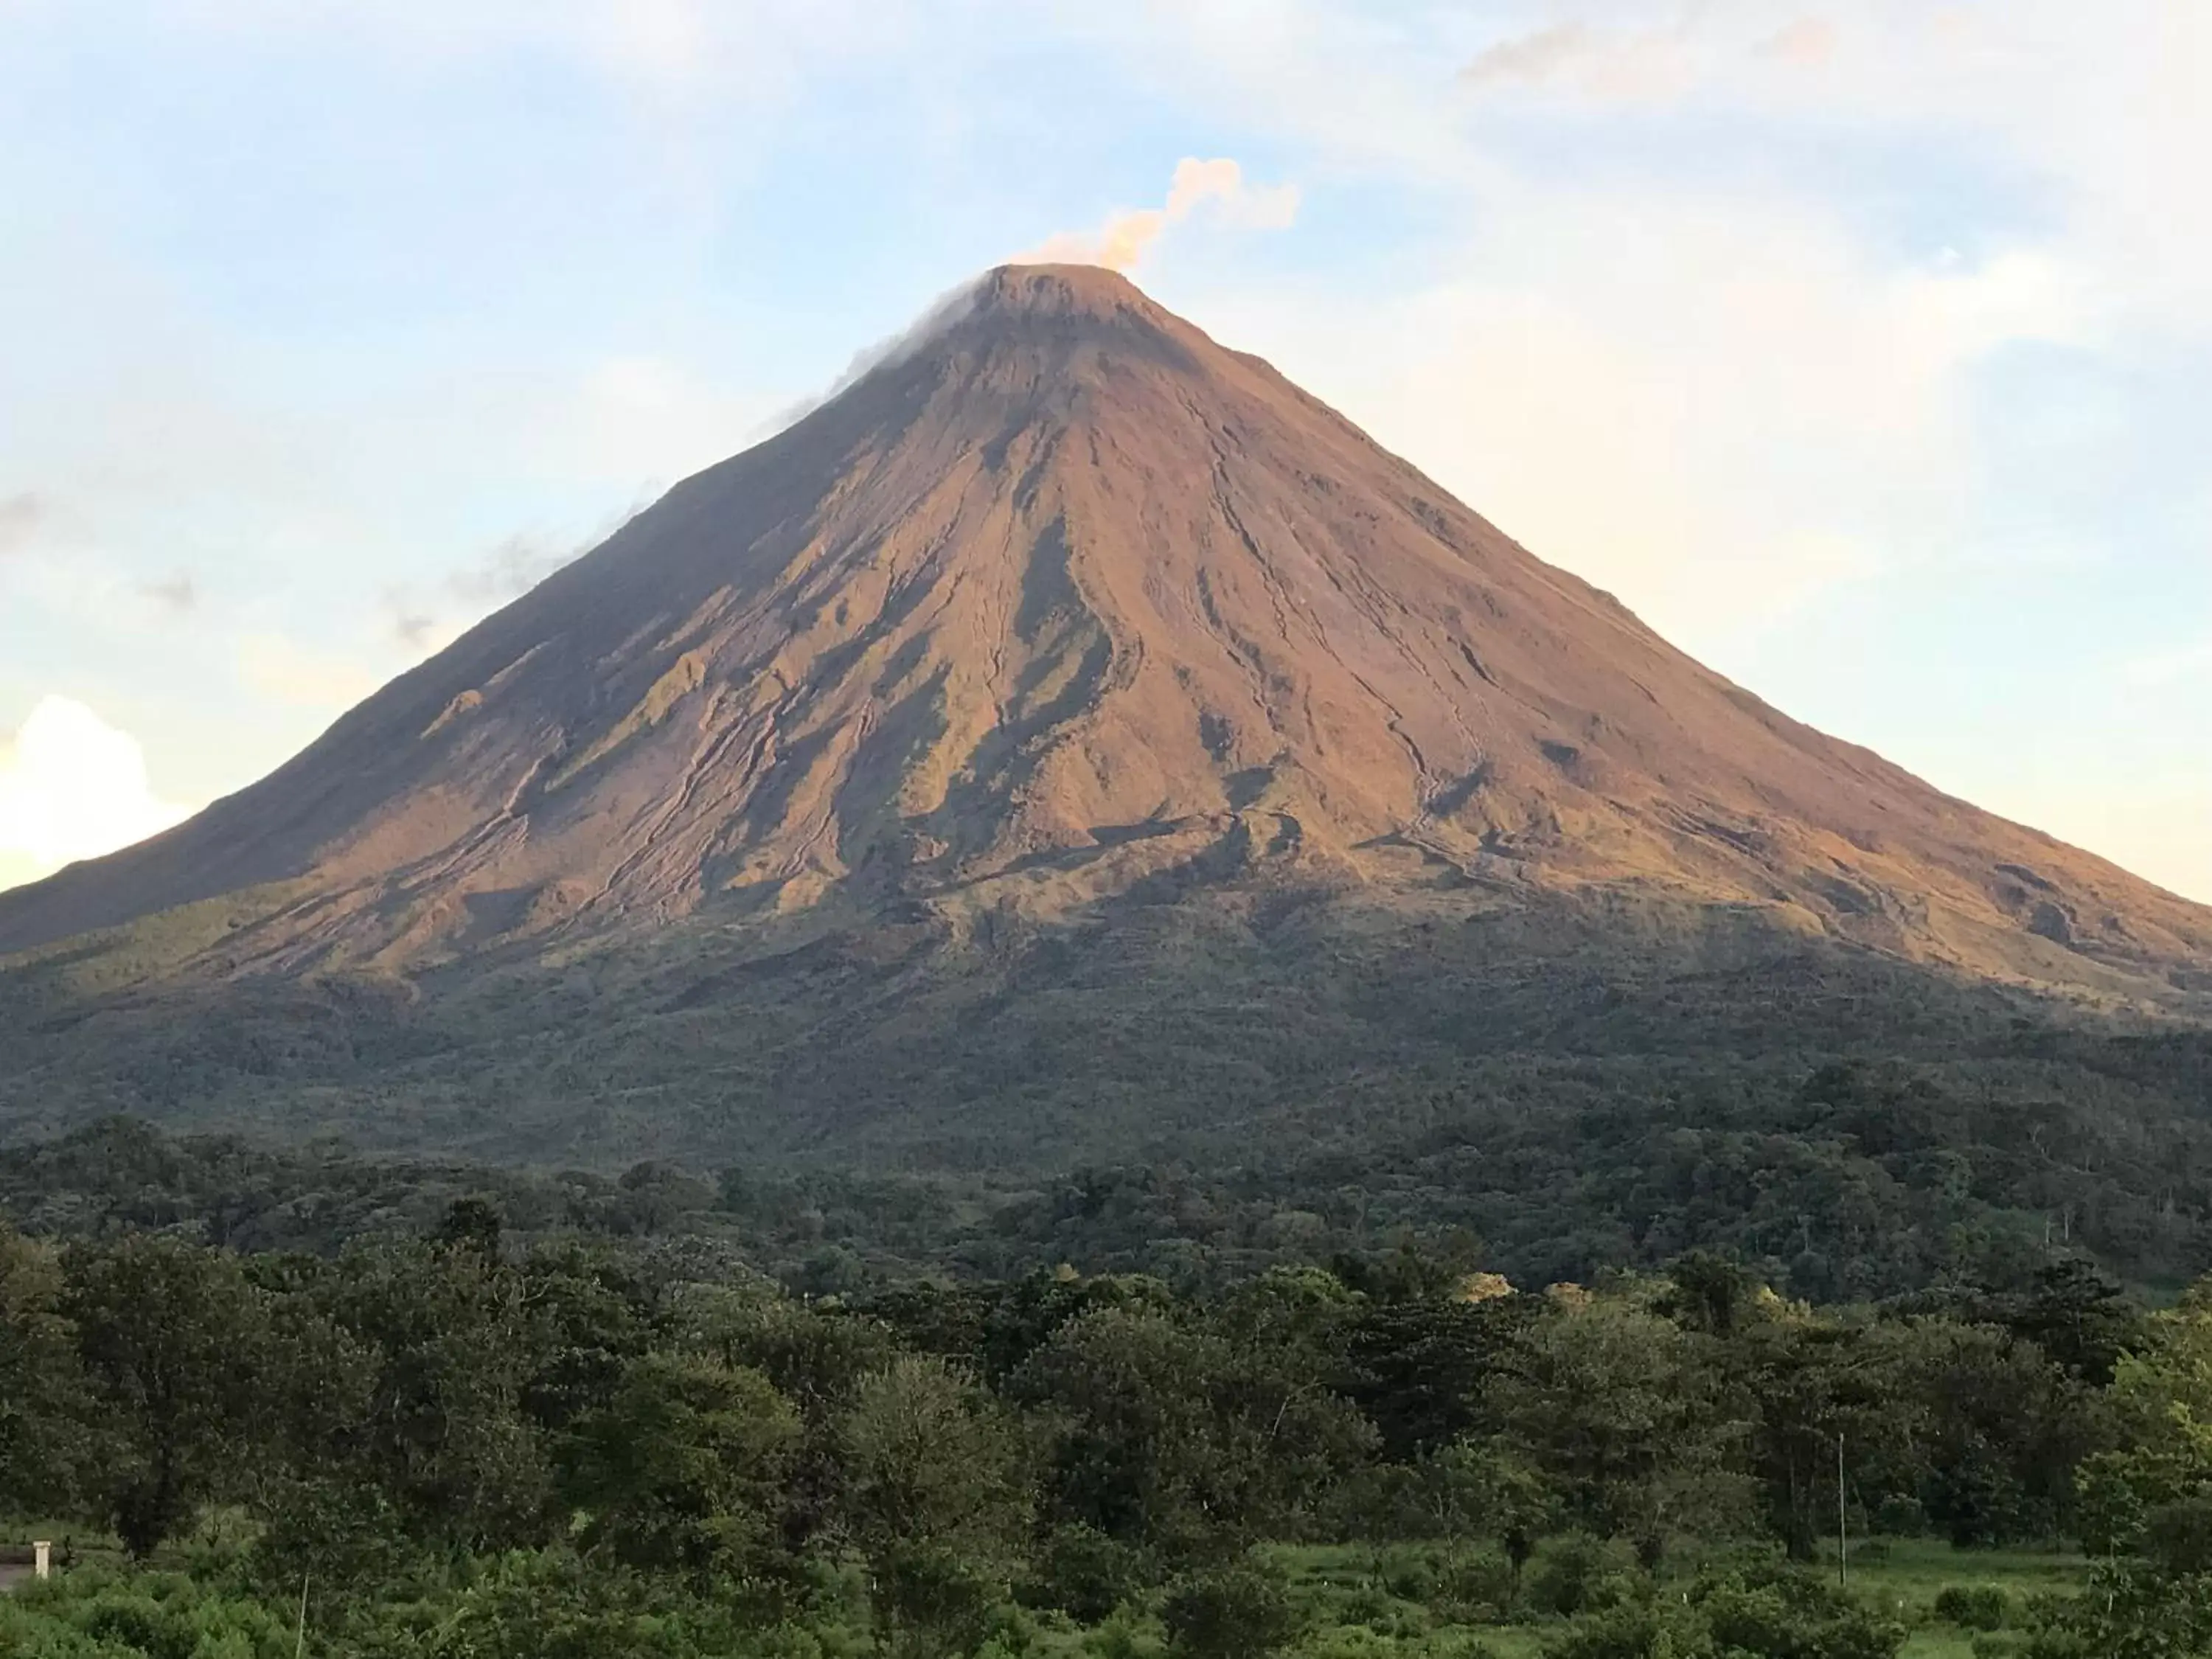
(1062, 290)
(1062, 308)
(1062, 603)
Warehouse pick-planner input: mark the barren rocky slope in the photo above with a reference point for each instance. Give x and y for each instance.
(1063, 597)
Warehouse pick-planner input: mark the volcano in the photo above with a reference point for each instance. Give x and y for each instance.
(1063, 595)
(1061, 608)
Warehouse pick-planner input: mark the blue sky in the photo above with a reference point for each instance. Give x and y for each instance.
(1863, 349)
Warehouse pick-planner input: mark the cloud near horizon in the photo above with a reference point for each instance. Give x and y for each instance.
(73, 787)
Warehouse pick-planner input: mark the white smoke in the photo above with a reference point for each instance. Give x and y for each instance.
(1219, 185)
(942, 314)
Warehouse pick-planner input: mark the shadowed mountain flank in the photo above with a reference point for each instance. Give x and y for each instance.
(1063, 601)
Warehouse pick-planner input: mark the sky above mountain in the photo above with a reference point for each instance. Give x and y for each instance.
(1861, 349)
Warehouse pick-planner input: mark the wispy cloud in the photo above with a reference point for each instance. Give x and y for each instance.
(1218, 185)
(515, 567)
(179, 594)
(421, 622)
(1704, 46)
(1536, 57)
(21, 517)
(1609, 63)
(413, 629)
(1806, 44)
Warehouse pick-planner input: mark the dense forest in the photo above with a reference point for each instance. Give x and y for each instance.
(1581, 1085)
(1848, 1181)
(378, 1433)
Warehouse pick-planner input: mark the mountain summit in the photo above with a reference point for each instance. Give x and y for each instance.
(1061, 598)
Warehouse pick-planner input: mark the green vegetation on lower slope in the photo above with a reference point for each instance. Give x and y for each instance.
(1204, 1089)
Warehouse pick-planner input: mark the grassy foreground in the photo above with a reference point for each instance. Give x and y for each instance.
(1346, 1591)
(1905, 1576)
(1392, 1602)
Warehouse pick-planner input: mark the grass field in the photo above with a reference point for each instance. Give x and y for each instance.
(1353, 1601)
(1908, 1575)
(1388, 1603)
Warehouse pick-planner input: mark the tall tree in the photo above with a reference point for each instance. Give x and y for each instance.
(1172, 1435)
(1624, 1410)
(937, 1495)
(452, 1345)
(1818, 1396)
(685, 1467)
(41, 1412)
(171, 1339)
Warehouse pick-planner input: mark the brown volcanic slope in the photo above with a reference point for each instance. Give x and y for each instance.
(1063, 596)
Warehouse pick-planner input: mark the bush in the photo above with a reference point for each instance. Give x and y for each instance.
(1790, 1615)
(1772, 1614)
(1627, 1632)
(1013, 1633)
(1087, 1575)
(932, 1601)
(2006, 1644)
(134, 1615)
(1473, 1586)
(1460, 1644)
(1367, 1605)
(1973, 1607)
(1241, 1612)
(553, 1605)
(2128, 1611)
(1462, 1584)
(2178, 1536)
(1409, 1573)
(1123, 1636)
(1579, 1574)
(1898, 1516)
(1355, 1641)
